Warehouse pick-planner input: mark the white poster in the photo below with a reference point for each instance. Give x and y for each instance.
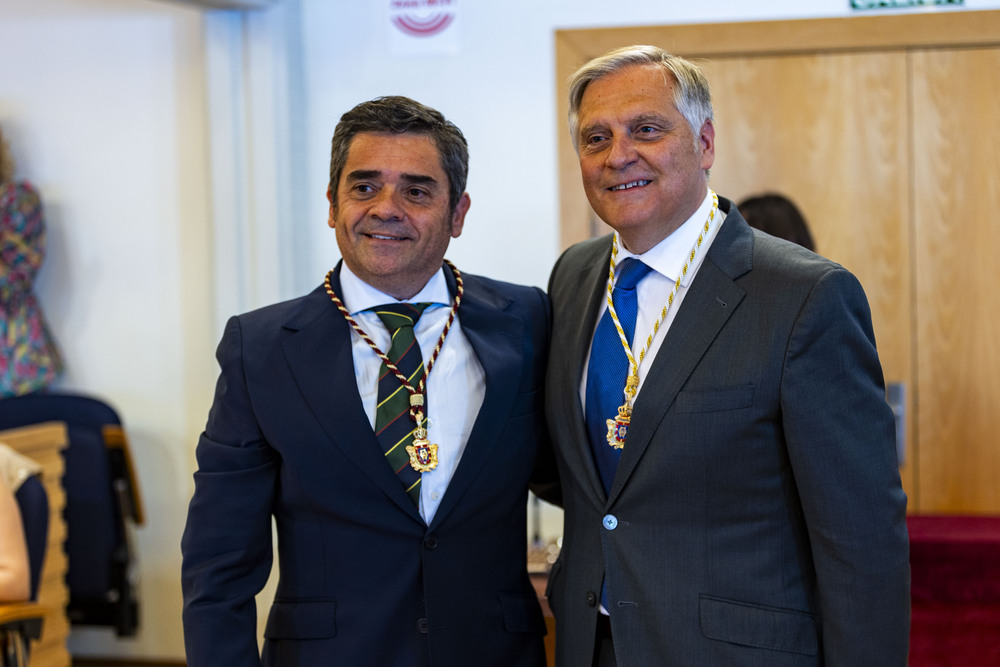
(423, 26)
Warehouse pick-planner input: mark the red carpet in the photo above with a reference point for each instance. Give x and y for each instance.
(956, 591)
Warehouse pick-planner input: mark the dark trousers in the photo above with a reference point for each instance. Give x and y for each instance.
(604, 645)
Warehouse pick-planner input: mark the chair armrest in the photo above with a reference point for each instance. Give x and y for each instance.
(123, 472)
(26, 616)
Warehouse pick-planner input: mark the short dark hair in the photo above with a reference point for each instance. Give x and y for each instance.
(778, 216)
(402, 115)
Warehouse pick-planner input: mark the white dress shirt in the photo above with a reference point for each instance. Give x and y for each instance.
(455, 387)
(667, 260)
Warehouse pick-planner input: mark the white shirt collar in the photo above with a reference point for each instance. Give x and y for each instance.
(669, 255)
(358, 295)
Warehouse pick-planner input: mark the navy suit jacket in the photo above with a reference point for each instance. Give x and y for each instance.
(363, 581)
(757, 516)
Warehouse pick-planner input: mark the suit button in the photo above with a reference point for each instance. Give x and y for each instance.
(591, 599)
(431, 542)
(422, 626)
(610, 521)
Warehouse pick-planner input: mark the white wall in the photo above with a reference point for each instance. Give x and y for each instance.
(105, 105)
(499, 89)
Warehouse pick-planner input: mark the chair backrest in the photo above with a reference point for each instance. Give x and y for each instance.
(94, 524)
(34, 504)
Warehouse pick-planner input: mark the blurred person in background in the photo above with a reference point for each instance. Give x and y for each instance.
(778, 216)
(29, 360)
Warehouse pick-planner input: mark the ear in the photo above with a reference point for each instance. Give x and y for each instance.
(706, 144)
(458, 217)
(332, 218)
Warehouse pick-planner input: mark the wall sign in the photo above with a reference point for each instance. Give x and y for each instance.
(889, 4)
(423, 26)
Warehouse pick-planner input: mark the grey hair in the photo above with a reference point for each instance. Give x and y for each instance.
(691, 94)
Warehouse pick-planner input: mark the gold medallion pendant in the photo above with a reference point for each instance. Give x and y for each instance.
(618, 427)
(423, 453)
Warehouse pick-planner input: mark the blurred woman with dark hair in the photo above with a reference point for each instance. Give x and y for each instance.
(778, 216)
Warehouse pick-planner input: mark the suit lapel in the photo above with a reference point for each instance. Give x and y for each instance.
(573, 331)
(711, 300)
(329, 386)
(496, 338)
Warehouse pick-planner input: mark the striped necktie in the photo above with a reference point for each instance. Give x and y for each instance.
(393, 425)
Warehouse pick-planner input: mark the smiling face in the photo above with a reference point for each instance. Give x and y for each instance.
(391, 211)
(643, 169)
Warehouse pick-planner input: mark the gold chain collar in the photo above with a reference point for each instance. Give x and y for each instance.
(416, 393)
(618, 426)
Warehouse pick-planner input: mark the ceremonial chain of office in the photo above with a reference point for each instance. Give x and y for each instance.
(416, 393)
(619, 424)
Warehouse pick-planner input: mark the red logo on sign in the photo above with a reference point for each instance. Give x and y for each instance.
(422, 18)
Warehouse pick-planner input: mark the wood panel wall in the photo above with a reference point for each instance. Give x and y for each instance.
(956, 105)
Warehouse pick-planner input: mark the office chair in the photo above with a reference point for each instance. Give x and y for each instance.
(22, 621)
(102, 505)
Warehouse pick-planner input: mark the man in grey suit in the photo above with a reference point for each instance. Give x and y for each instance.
(725, 450)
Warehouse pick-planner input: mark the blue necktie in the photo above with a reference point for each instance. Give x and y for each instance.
(607, 373)
(609, 367)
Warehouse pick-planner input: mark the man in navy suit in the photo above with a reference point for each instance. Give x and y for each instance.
(375, 568)
(715, 398)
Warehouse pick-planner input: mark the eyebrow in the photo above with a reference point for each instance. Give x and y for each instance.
(367, 174)
(640, 119)
(651, 118)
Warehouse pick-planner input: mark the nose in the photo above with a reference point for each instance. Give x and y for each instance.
(622, 152)
(387, 205)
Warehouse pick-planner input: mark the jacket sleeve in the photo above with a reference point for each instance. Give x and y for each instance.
(545, 476)
(227, 551)
(840, 435)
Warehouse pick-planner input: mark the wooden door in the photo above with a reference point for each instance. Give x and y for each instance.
(956, 106)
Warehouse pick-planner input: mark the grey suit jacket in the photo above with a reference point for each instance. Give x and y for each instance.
(759, 514)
